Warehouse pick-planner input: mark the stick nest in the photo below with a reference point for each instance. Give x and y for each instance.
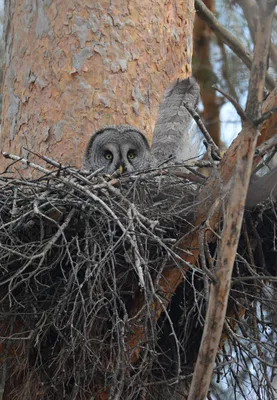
(76, 254)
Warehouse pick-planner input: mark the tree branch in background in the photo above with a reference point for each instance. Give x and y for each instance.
(250, 10)
(226, 72)
(266, 138)
(228, 39)
(219, 292)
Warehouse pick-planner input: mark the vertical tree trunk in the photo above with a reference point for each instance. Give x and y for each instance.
(74, 66)
(204, 73)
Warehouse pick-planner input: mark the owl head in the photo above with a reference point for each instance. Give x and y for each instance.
(112, 148)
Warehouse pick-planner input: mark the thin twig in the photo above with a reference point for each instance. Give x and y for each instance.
(209, 139)
(237, 106)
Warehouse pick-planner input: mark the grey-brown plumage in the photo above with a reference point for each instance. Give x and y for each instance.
(117, 147)
(261, 189)
(170, 137)
(125, 148)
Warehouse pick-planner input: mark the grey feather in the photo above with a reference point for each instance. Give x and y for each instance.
(262, 189)
(170, 136)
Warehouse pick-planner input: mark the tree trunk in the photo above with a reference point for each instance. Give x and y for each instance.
(204, 73)
(71, 68)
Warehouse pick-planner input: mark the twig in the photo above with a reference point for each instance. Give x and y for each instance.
(197, 174)
(61, 167)
(202, 256)
(265, 162)
(237, 106)
(226, 71)
(27, 162)
(209, 139)
(42, 254)
(137, 257)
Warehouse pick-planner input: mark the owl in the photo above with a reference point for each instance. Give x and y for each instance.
(113, 148)
(125, 148)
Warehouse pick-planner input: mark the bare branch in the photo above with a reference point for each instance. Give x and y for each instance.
(259, 67)
(250, 11)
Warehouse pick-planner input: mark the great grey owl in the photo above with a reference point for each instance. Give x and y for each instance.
(126, 149)
(122, 148)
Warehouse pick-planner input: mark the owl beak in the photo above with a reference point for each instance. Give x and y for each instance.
(121, 169)
(121, 166)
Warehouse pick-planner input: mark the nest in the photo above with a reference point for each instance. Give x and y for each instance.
(77, 251)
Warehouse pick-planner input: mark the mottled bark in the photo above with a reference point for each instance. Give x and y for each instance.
(74, 66)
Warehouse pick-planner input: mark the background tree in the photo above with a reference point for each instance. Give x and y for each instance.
(223, 66)
(204, 71)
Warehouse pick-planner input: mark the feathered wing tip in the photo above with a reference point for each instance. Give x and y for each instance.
(171, 134)
(261, 189)
(187, 89)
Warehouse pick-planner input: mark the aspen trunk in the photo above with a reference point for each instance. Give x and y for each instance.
(74, 66)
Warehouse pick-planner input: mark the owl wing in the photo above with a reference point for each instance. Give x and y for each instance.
(171, 134)
(261, 189)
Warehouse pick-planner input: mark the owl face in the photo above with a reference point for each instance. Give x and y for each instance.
(120, 148)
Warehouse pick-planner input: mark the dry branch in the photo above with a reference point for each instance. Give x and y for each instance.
(250, 11)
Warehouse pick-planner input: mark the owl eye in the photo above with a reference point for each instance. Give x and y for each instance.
(131, 155)
(108, 155)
